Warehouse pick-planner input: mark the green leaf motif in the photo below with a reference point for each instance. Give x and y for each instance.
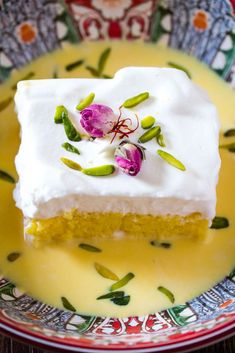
(105, 272)
(6, 177)
(67, 305)
(167, 293)
(122, 282)
(219, 223)
(89, 247)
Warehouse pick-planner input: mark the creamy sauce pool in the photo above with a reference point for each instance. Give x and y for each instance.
(187, 268)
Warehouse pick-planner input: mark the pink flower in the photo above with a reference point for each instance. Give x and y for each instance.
(129, 157)
(98, 119)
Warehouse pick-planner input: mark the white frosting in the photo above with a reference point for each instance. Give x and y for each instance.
(189, 123)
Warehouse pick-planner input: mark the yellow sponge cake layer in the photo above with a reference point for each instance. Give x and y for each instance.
(75, 224)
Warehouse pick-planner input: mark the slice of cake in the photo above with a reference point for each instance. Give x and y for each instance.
(136, 155)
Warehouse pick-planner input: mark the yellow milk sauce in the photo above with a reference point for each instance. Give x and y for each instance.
(186, 268)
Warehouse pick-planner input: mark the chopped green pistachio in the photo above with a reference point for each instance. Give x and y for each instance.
(6, 177)
(133, 101)
(89, 247)
(67, 305)
(94, 72)
(171, 160)
(4, 104)
(121, 301)
(180, 67)
(160, 245)
(167, 293)
(160, 140)
(59, 111)
(105, 272)
(103, 60)
(118, 294)
(74, 65)
(13, 256)
(219, 223)
(229, 133)
(122, 282)
(150, 134)
(101, 170)
(71, 164)
(86, 102)
(70, 148)
(230, 147)
(71, 132)
(147, 122)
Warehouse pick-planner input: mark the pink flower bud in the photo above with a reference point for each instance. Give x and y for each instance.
(98, 120)
(129, 157)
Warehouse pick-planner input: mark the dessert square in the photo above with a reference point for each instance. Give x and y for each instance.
(135, 155)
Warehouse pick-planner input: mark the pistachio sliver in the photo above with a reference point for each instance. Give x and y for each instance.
(160, 245)
(67, 305)
(6, 177)
(122, 282)
(4, 104)
(86, 102)
(13, 256)
(171, 160)
(160, 140)
(180, 67)
(103, 60)
(71, 164)
(167, 293)
(105, 272)
(150, 134)
(93, 71)
(71, 132)
(133, 101)
(121, 301)
(230, 146)
(229, 133)
(118, 294)
(101, 170)
(70, 148)
(219, 223)
(59, 111)
(74, 65)
(89, 247)
(147, 122)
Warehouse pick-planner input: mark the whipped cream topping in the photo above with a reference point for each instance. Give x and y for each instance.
(189, 123)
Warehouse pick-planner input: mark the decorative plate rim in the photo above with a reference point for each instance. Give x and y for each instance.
(220, 332)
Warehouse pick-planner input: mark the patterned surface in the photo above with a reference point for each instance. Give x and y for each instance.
(203, 28)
